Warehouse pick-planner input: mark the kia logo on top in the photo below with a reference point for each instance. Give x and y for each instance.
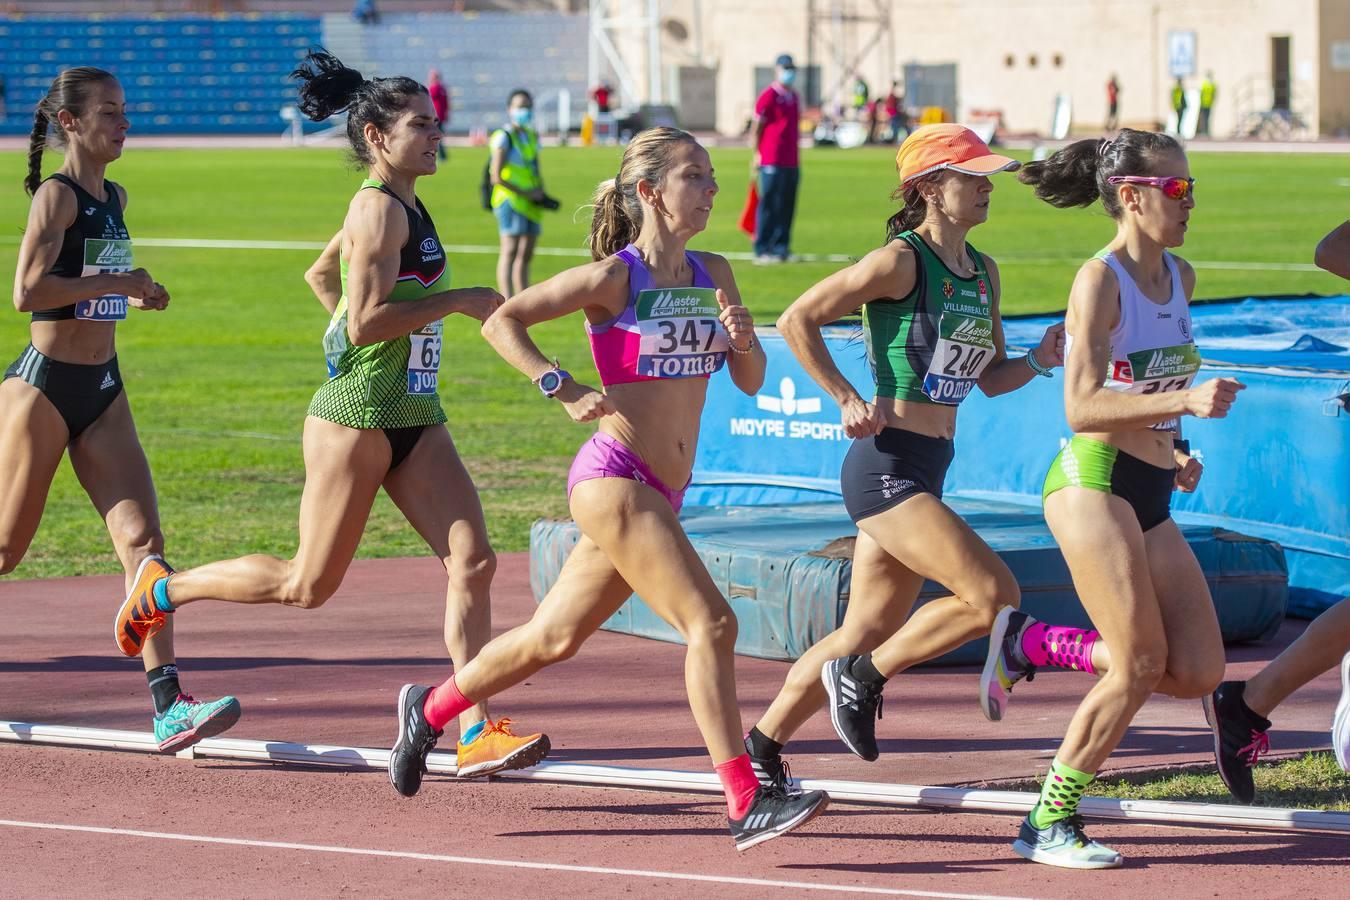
(785, 406)
(429, 246)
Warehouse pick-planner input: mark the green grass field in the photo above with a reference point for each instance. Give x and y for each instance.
(221, 381)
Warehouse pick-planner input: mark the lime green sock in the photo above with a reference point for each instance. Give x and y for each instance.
(1060, 794)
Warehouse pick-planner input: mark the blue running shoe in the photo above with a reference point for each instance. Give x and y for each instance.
(186, 722)
(1063, 843)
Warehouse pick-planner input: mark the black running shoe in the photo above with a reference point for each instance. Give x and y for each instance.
(1239, 738)
(1005, 664)
(854, 707)
(772, 771)
(416, 738)
(775, 812)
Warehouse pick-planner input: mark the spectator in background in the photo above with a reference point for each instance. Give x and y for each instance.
(517, 192)
(896, 119)
(1207, 91)
(1179, 101)
(440, 101)
(4, 110)
(873, 119)
(777, 125)
(861, 93)
(1112, 103)
(364, 11)
(601, 95)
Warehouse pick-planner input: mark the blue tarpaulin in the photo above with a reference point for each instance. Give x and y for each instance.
(1278, 467)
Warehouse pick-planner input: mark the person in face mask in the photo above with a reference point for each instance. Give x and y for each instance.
(777, 124)
(517, 192)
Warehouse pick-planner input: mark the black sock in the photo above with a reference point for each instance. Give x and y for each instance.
(762, 745)
(863, 670)
(163, 686)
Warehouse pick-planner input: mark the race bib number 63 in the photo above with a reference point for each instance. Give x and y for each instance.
(424, 359)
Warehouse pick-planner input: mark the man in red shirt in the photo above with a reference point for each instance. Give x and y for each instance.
(440, 101)
(777, 124)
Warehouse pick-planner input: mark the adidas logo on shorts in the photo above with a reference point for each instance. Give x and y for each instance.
(107, 382)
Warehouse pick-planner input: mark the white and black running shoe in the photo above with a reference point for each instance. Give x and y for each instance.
(772, 771)
(855, 705)
(775, 812)
(416, 738)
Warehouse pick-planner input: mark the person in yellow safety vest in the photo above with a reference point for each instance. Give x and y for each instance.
(1179, 101)
(1207, 92)
(517, 189)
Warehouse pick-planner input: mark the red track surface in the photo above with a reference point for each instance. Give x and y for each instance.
(331, 676)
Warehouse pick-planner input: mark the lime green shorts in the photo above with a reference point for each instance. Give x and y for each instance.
(1098, 466)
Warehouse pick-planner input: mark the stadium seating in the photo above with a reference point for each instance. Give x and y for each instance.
(227, 74)
(182, 75)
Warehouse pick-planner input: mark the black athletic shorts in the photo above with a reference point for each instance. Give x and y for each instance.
(886, 470)
(401, 442)
(80, 393)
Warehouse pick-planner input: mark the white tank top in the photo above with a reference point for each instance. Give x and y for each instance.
(1151, 346)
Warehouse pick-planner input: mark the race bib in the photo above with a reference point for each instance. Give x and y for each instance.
(424, 358)
(965, 346)
(1158, 371)
(102, 257)
(679, 332)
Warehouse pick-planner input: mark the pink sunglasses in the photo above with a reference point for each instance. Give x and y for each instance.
(1173, 186)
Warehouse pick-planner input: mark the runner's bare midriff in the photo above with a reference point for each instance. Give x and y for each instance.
(930, 419)
(73, 341)
(1153, 447)
(659, 421)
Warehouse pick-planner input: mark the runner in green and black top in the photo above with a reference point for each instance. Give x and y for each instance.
(64, 392)
(930, 306)
(377, 421)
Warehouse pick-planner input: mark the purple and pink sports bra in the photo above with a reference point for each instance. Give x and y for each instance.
(662, 332)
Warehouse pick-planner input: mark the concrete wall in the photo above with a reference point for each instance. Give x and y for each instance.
(1076, 44)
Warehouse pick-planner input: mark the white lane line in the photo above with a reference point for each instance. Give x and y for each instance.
(739, 255)
(503, 863)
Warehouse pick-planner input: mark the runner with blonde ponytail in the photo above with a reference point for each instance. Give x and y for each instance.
(661, 319)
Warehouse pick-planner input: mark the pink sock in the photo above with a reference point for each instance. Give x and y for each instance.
(739, 783)
(444, 704)
(1060, 647)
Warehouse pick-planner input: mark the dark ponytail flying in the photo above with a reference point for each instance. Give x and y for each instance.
(327, 87)
(69, 91)
(1077, 174)
(913, 209)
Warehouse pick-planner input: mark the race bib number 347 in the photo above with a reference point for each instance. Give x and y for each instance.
(1161, 370)
(965, 346)
(679, 333)
(102, 257)
(424, 359)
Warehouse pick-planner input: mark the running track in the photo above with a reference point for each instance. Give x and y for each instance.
(231, 829)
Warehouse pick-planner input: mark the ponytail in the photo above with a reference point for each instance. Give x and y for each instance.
(69, 91)
(912, 212)
(37, 142)
(1068, 177)
(327, 87)
(1079, 173)
(612, 228)
(618, 211)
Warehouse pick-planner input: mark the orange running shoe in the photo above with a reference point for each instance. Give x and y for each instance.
(139, 618)
(496, 748)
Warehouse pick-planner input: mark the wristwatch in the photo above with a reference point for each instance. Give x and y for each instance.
(552, 381)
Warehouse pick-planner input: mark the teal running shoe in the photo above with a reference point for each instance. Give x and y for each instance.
(186, 722)
(1063, 843)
